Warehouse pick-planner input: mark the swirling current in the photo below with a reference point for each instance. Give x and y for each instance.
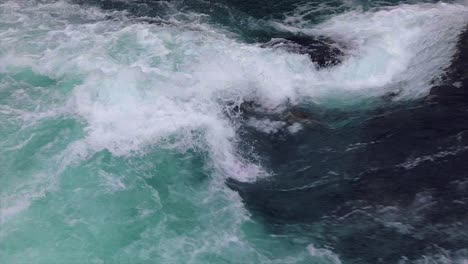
(199, 131)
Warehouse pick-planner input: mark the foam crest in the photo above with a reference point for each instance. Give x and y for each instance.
(399, 48)
(145, 85)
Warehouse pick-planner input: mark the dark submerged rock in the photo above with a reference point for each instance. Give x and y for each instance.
(321, 50)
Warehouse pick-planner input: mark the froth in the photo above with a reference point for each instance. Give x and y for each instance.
(401, 48)
(144, 85)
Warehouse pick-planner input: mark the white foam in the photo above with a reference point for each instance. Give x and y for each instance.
(150, 85)
(294, 128)
(6, 212)
(414, 162)
(266, 125)
(400, 48)
(324, 254)
(19, 197)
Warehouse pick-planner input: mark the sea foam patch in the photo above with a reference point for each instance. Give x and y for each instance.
(394, 49)
(148, 84)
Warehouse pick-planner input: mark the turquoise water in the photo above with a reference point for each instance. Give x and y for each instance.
(114, 143)
(79, 189)
(160, 206)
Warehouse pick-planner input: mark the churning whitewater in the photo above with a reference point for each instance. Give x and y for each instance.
(122, 121)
